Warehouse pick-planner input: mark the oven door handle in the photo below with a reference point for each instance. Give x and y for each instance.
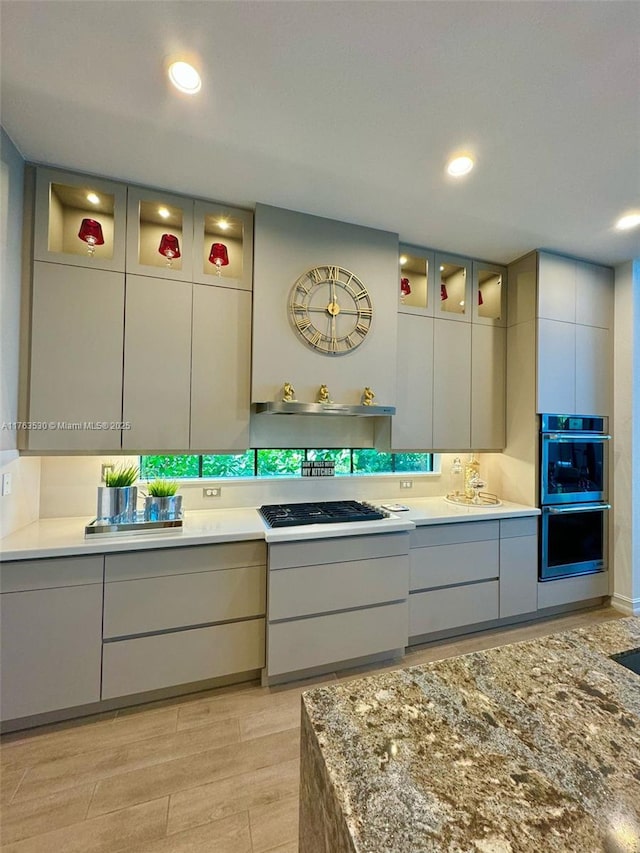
(562, 510)
(574, 437)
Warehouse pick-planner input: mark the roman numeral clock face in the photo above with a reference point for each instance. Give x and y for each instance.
(330, 309)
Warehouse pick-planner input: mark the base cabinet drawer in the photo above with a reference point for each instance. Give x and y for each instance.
(175, 601)
(320, 552)
(337, 586)
(319, 640)
(445, 565)
(454, 607)
(182, 657)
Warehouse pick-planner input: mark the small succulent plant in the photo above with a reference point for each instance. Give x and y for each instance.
(162, 488)
(121, 475)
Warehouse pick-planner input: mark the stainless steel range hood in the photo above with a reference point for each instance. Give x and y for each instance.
(326, 409)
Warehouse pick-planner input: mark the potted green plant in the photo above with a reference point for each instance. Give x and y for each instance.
(118, 498)
(161, 502)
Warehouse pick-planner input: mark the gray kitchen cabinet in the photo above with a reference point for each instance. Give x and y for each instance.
(557, 367)
(488, 386)
(556, 288)
(575, 323)
(233, 228)
(570, 590)
(63, 202)
(159, 222)
(593, 370)
(75, 373)
(160, 661)
(220, 368)
(181, 615)
(300, 645)
(454, 576)
(453, 288)
(451, 385)
(417, 271)
(452, 607)
(489, 294)
(594, 295)
(50, 631)
(518, 566)
(335, 600)
(157, 364)
(467, 573)
(412, 425)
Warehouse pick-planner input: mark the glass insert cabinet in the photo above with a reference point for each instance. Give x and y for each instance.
(99, 224)
(79, 220)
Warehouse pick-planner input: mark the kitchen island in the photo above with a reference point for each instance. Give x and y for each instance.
(534, 746)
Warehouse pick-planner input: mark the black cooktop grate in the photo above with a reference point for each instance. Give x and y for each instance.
(323, 512)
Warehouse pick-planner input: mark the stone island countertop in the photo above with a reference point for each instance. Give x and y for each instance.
(533, 746)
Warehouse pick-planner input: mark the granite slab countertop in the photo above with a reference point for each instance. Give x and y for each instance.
(534, 746)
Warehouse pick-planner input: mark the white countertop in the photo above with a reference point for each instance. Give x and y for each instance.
(61, 537)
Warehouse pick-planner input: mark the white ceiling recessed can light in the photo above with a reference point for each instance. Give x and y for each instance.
(403, 260)
(460, 166)
(224, 224)
(93, 198)
(185, 77)
(630, 220)
(164, 213)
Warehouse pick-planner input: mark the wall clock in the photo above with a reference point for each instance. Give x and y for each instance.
(330, 309)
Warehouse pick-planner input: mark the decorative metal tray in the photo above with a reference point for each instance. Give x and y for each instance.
(483, 499)
(140, 525)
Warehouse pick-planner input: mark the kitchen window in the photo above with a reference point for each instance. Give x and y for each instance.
(282, 463)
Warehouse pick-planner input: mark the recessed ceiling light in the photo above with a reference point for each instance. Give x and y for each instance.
(93, 198)
(403, 260)
(224, 224)
(460, 166)
(441, 268)
(164, 213)
(185, 77)
(630, 220)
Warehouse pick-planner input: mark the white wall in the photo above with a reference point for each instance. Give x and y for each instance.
(21, 506)
(626, 444)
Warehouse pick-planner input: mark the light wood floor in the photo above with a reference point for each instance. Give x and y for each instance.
(215, 772)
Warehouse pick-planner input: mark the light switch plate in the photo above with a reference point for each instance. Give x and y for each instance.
(104, 469)
(6, 484)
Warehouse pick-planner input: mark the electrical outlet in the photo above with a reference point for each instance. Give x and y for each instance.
(105, 469)
(6, 484)
(406, 484)
(212, 492)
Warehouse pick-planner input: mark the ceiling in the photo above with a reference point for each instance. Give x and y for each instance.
(350, 110)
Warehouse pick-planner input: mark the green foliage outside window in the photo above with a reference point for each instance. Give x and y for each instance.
(229, 465)
(281, 463)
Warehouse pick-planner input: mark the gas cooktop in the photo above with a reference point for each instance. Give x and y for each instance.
(323, 512)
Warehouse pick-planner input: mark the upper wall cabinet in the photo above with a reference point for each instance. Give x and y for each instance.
(453, 275)
(575, 335)
(416, 284)
(79, 221)
(222, 246)
(489, 294)
(159, 234)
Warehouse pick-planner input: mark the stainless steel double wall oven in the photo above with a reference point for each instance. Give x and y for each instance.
(574, 476)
